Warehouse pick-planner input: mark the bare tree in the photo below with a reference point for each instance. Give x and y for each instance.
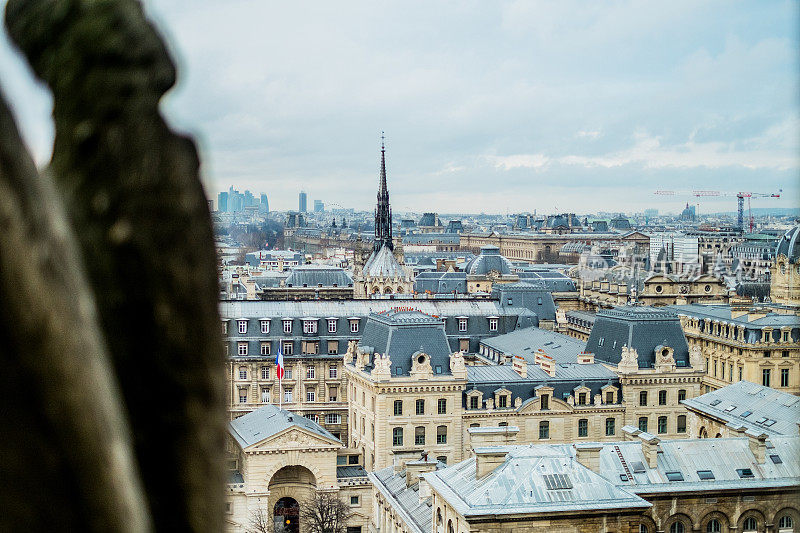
(259, 521)
(324, 513)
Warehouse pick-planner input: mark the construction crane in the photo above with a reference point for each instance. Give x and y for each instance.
(740, 196)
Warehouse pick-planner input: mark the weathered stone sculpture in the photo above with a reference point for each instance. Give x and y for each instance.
(109, 332)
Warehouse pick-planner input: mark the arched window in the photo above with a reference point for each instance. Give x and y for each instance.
(677, 527)
(439, 516)
(441, 435)
(785, 524)
(397, 437)
(449, 526)
(419, 436)
(750, 525)
(713, 526)
(643, 529)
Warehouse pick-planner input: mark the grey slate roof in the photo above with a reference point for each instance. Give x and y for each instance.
(269, 420)
(441, 282)
(722, 313)
(489, 259)
(316, 275)
(525, 343)
(523, 484)
(401, 334)
(789, 246)
(350, 471)
(639, 327)
(383, 264)
(687, 456)
(417, 515)
(533, 296)
(553, 281)
(763, 403)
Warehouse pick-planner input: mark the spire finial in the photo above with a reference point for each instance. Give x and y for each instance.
(383, 145)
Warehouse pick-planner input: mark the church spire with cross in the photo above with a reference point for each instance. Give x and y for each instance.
(383, 213)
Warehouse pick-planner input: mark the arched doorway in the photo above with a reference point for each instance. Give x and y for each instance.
(289, 488)
(286, 516)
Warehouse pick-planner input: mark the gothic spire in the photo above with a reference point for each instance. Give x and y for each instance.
(383, 214)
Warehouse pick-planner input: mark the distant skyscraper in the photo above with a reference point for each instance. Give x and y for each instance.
(303, 202)
(222, 202)
(319, 206)
(264, 206)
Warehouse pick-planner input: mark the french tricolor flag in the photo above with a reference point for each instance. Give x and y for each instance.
(279, 362)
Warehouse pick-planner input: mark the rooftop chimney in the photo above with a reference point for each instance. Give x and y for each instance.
(421, 466)
(758, 444)
(487, 459)
(492, 436)
(589, 455)
(585, 358)
(520, 366)
(650, 448)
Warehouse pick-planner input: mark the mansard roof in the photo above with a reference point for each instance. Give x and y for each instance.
(269, 420)
(641, 328)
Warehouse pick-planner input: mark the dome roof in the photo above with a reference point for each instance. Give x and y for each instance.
(488, 260)
(788, 245)
(382, 264)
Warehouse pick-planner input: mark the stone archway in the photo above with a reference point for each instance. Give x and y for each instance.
(289, 487)
(703, 433)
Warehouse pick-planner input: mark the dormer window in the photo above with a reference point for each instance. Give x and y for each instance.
(502, 401)
(354, 325)
(582, 398)
(309, 326)
(287, 325)
(331, 326)
(264, 326)
(462, 324)
(224, 327)
(545, 402)
(493, 324)
(242, 326)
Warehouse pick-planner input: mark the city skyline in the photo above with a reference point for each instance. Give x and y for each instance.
(505, 108)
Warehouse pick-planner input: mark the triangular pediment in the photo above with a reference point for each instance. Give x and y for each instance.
(294, 438)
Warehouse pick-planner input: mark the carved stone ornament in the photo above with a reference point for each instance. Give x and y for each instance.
(457, 367)
(629, 361)
(382, 367)
(696, 359)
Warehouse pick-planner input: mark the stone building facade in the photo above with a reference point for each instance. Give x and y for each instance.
(785, 272)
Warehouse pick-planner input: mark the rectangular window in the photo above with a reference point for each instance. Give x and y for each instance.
(609, 397)
(333, 347)
(398, 407)
(766, 353)
(662, 397)
(242, 348)
(264, 372)
(420, 407)
(224, 327)
(583, 427)
(333, 394)
(242, 372)
(643, 424)
(610, 427)
(333, 372)
(462, 324)
(784, 377)
(265, 326)
(643, 397)
(441, 435)
(740, 373)
(266, 348)
(288, 347)
(544, 429)
(545, 402)
(353, 501)
(442, 406)
(264, 395)
(662, 424)
(311, 373)
(287, 396)
(311, 395)
(242, 326)
(681, 395)
(331, 326)
(397, 437)
(765, 375)
(287, 326)
(681, 426)
(287, 373)
(242, 395)
(354, 326)
(492, 324)
(473, 402)
(582, 398)
(730, 372)
(309, 326)
(463, 345)
(502, 401)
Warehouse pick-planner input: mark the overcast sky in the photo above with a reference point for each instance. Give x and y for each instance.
(487, 106)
